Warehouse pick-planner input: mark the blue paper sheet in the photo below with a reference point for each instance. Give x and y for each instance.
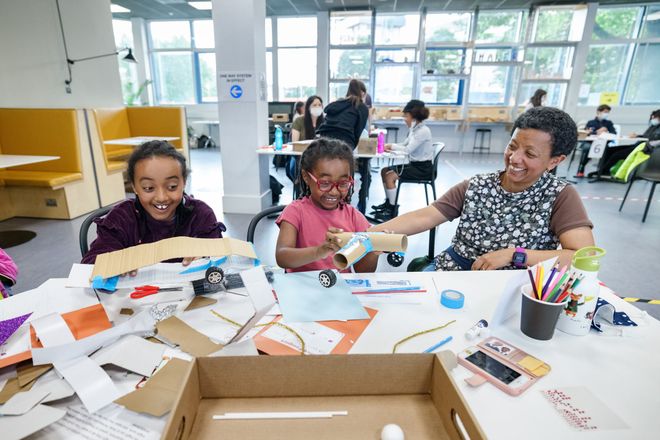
(303, 299)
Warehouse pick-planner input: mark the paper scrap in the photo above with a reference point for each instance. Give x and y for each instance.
(27, 373)
(6, 374)
(261, 295)
(200, 301)
(582, 410)
(11, 388)
(52, 330)
(133, 354)
(303, 299)
(109, 423)
(9, 326)
(18, 427)
(21, 403)
(318, 338)
(187, 338)
(57, 388)
(92, 385)
(157, 396)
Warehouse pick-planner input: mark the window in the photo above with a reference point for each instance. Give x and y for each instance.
(604, 72)
(296, 58)
(350, 28)
(268, 31)
(203, 31)
(174, 77)
(170, 34)
(441, 90)
(350, 63)
(338, 90)
(444, 61)
(296, 74)
(209, 92)
(269, 74)
(499, 26)
(452, 27)
(560, 24)
(296, 32)
(395, 55)
(549, 62)
(615, 23)
(488, 85)
(651, 24)
(123, 32)
(393, 83)
(643, 84)
(397, 29)
(498, 55)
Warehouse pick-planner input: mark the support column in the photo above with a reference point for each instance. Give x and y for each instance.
(241, 55)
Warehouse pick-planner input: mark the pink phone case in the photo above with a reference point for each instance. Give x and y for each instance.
(512, 357)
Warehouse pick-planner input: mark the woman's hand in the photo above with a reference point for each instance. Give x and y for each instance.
(494, 260)
(388, 147)
(331, 244)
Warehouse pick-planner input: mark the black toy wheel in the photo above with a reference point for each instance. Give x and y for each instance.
(215, 275)
(395, 259)
(327, 278)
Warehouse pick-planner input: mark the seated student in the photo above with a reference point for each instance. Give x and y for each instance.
(298, 110)
(600, 125)
(160, 209)
(8, 274)
(418, 146)
(304, 128)
(523, 209)
(306, 241)
(652, 133)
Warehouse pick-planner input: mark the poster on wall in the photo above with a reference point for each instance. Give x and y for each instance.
(239, 86)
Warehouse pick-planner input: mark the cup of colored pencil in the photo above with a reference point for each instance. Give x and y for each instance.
(543, 300)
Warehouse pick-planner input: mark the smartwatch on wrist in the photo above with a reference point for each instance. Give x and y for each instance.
(519, 258)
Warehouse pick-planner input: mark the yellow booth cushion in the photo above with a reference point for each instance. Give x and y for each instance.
(38, 178)
(117, 165)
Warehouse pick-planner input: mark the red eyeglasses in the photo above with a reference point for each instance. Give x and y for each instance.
(326, 185)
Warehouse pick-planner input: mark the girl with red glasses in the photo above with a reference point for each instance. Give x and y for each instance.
(306, 241)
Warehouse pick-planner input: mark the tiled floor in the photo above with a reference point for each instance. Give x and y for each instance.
(632, 246)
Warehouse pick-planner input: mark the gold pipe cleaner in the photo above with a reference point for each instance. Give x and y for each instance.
(423, 332)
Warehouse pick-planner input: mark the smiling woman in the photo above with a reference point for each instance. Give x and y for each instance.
(160, 209)
(523, 209)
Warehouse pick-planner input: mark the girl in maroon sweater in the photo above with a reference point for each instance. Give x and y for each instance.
(160, 209)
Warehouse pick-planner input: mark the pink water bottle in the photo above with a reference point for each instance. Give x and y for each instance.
(381, 143)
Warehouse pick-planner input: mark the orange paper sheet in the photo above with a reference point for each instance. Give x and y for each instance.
(83, 323)
(352, 330)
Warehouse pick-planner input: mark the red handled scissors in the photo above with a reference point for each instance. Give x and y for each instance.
(142, 291)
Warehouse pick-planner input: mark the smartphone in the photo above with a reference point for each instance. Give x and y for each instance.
(511, 381)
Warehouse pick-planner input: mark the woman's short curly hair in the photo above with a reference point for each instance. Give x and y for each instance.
(557, 123)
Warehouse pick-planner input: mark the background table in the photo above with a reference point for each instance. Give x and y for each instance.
(139, 140)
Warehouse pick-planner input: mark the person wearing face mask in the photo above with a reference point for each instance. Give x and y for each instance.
(419, 147)
(601, 124)
(652, 133)
(304, 128)
(515, 217)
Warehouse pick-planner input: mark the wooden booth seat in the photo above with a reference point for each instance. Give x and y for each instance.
(125, 122)
(64, 188)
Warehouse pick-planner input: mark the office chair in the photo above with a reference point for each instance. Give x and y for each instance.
(84, 227)
(649, 171)
(258, 217)
(439, 146)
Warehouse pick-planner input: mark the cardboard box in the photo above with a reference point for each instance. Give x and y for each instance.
(414, 391)
(367, 146)
(280, 117)
(301, 145)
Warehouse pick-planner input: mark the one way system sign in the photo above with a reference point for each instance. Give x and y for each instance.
(237, 86)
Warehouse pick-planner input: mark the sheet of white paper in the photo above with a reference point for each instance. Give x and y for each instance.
(244, 347)
(132, 353)
(582, 410)
(274, 311)
(56, 387)
(18, 427)
(261, 295)
(93, 385)
(510, 299)
(140, 324)
(108, 423)
(6, 374)
(52, 330)
(318, 338)
(21, 403)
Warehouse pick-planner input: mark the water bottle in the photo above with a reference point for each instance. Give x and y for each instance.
(381, 143)
(278, 138)
(576, 317)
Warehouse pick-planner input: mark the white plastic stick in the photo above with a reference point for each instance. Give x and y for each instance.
(280, 415)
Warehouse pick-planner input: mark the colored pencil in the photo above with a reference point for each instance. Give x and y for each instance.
(563, 296)
(531, 279)
(539, 285)
(547, 283)
(558, 280)
(576, 282)
(558, 288)
(438, 345)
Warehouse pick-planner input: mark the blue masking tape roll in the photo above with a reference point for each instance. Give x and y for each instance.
(452, 299)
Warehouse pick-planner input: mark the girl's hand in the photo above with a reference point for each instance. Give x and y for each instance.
(494, 260)
(187, 260)
(130, 274)
(388, 147)
(331, 244)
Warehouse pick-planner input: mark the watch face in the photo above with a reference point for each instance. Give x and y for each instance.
(519, 259)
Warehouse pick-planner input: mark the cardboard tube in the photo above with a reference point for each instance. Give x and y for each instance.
(380, 242)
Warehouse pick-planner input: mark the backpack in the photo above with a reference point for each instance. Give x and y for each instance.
(275, 189)
(205, 142)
